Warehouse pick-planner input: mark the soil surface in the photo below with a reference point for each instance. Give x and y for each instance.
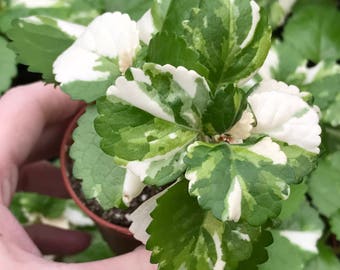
(115, 215)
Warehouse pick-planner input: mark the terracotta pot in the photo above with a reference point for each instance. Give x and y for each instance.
(119, 238)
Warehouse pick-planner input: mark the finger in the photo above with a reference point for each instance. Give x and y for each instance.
(48, 144)
(24, 113)
(42, 177)
(52, 240)
(12, 233)
(138, 259)
(32, 108)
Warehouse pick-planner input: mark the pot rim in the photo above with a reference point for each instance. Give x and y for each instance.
(65, 145)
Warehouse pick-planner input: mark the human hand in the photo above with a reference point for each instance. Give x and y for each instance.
(33, 119)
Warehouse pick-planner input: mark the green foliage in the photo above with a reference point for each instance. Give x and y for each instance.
(321, 45)
(135, 8)
(323, 41)
(209, 242)
(101, 178)
(169, 117)
(218, 31)
(39, 43)
(224, 110)
(335, 224)
(174, 51)
(32, 203)
(324, 185)
(78, 11)
(7, 65)
(325, 260)
(287, 252)
(216, 171)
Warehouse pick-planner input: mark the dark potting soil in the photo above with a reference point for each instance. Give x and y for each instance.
(115, 215)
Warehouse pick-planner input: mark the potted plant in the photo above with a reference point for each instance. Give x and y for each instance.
(183, 106)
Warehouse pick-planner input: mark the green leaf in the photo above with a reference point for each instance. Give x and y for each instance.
(222, 32)
(101, 178)
(36, 203)
(331, 139)
(321, 41)
(295, 199)
(277, 10)
(135, 8)
(259, 254)
(287, 64)
(168, 15)
(305, 218)
(301, 162)
(150, 147)
(99, 63)
(7, 65)
(199, 242)
(167, 48)
(325, 260)
(175, 95)
(223, 42)
(283, 255)
(89, 91)
(224, 110)
(38, 41)
(332, 114)
(296, 238)
(17, 209)
(282, 62)
(78, 11)
(324, 185)
(234, 182)
(335, 224)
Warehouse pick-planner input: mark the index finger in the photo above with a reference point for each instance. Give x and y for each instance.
(24, 112)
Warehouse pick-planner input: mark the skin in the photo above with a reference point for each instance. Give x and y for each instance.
(33, 119)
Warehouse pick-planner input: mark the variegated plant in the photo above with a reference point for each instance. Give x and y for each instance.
(174, 108)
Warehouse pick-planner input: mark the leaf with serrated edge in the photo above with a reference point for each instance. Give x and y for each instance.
(101, 178)
(173, 94)
(205, 242)
(285, 63)
(224, 109)
(296, 238)
(335, 224)
(322, 41)
(168, 48)
(115, 43)
(232, 37)
(151, 148)
(230, 180)
(281, 113)
(38, 41)
(7, 66)
(324, 185)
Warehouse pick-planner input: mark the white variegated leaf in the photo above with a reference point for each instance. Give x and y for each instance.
(146, 27)
(281, 113)
(104, 50)
(150, 148)
(208, 243)
(175, 95)
(220, 178)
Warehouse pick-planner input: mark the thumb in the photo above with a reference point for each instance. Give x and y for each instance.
(139, 259)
